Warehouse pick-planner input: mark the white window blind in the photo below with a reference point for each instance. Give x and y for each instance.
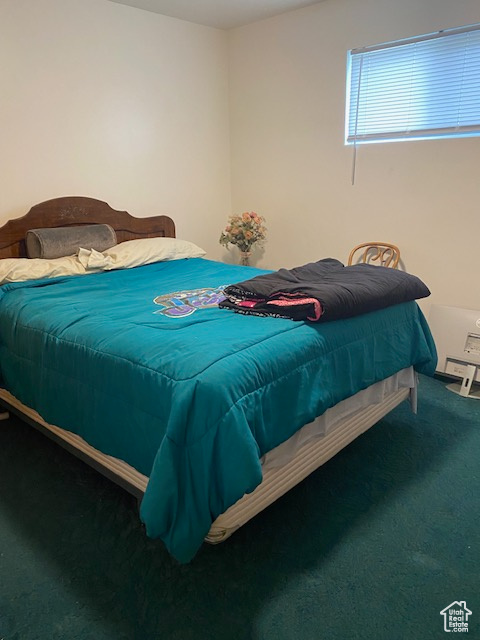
(422, 87)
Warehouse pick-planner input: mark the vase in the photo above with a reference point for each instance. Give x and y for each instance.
(245, 258)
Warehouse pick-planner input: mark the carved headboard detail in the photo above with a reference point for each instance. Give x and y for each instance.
(78, 210)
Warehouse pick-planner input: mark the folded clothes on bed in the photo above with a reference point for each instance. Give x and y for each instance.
(322, 291)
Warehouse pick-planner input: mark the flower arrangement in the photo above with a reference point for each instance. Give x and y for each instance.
(244, 230)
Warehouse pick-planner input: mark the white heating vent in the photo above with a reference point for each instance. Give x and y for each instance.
(456, 333)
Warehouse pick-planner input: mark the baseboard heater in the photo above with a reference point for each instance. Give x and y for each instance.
(456, 332)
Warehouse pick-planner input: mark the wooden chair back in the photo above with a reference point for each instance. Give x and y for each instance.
(384, 253)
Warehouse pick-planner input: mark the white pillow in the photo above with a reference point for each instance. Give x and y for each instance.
(134, 253)
(21, 269)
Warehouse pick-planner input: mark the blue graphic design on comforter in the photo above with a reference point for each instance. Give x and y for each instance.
(194, 402)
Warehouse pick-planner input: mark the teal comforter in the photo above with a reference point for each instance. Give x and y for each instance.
(144, 366)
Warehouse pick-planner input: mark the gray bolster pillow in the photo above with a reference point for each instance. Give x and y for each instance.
(66, 241)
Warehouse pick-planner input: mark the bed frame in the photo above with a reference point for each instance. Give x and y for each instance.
(276, 481)
(78, 210)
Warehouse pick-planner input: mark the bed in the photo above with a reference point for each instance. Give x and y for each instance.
(206, 415)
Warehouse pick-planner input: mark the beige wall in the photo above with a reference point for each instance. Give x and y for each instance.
(111, 102)
(133, 108)
(289, 161)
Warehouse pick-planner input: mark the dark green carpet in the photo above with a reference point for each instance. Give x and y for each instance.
(372, 545)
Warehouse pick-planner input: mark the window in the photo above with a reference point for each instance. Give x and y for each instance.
(423, 87)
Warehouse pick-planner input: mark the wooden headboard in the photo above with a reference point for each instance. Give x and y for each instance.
(78, 210)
